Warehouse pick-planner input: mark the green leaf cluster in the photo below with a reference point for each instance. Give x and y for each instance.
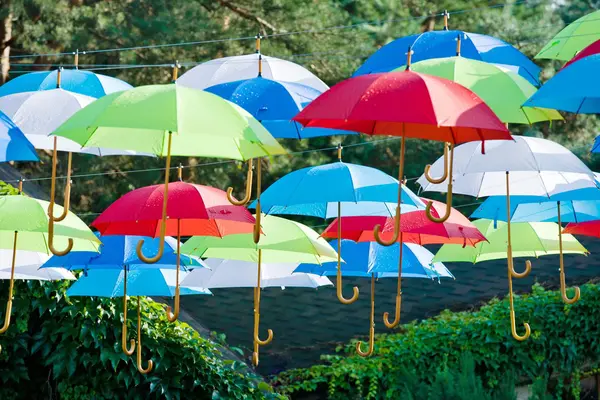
(565, 340)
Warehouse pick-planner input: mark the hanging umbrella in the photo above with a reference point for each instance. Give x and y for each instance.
(441, 44)
(191, 210)
(27, 266)
(376, 261)
(171, 120)
(14, 146)
(85, 83)
(586, 228)
(590, 50)
(140, 282)
(486, 81)
(343, 190)
(573, 38)
(406, 104)
(536, 167)
(283, 241)
(23, 225)
(415, 227)
(571, 89)
(236, 274)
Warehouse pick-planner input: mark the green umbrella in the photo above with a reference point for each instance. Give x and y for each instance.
(529, 239)
(502, 90)
(281, 241)
(24, 225)
(572, 39)
(170, 120)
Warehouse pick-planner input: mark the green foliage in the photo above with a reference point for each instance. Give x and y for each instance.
(565, 340)
(70, 349)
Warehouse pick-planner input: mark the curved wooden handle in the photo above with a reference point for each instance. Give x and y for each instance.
(386, 315)
(444, 175)
(248, 193)
(151, 260)
(396, 235)
(371, 347)
(150, 366)
(513, 328)
(516, 274)
(338, 282)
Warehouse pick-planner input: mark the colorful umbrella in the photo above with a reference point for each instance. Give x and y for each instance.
(86, 83)
(590, 50)
(376, 261)
(441, 44)
(142, 282)
(573, 38)
(406, 104)
(171, 120)
(343, 190)
(571, 89)
(529, 239)
(191, 210)
(486, 81)
(536, 167)
(283, 241)
(23, 225)
(14, 146)
(415, 227)
(587, 228)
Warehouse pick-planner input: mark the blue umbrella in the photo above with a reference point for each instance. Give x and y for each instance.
(370, 259)
(335, 190)
(441, 44)
(73, 80)
(574, 89)
(274, 104)
(119, 252)
(14, 146)
(571, 206)
(107, 275)
(596, 145)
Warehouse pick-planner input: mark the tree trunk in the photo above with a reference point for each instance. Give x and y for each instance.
(5, 38)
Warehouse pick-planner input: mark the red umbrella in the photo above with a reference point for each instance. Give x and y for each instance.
(415, 227)
(191, 210)
(592, 49)
(588, 228)
(406, 104)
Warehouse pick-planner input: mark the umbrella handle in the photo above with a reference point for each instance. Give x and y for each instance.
(513, 328)
(172, 316)
(386, 315)
(51, 239)
(8, 313)
(449, 166)
(444, 175)
(139, 345)
(129, 351)
(255, 358)
(257, 340)
(563, 283)
(51, 218)
(163, 222)
(256, 231)
(371, 347)
(394, 239)
(338, 281)
(248, 194)
(67, 192)
(519, 275)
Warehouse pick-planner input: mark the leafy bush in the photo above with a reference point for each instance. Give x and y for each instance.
(70, 348)
(565, 339)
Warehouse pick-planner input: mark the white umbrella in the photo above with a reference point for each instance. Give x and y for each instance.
(236, 274)
(230, 69)
(27, 267)
(525, 166)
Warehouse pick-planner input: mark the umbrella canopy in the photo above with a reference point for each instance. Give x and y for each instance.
(537, 167)
(529, 239)
(571, 89)
(119, 252)
(316, 191)
(142, 119)
(282, 241)
(368, 258)
(234, 274)
(440, 44)
(29, 217)
(140, 282)
(587, 228)
(14, 146)
(486, 81)
(274, 104)
(590, 50)
(86, 83)
(27, 267)
(415, 228)
(191, 210)
(230, 69)
(573, 38)
(407, 104)
(541, 209)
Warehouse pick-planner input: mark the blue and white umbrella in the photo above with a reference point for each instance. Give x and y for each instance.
(14, 146)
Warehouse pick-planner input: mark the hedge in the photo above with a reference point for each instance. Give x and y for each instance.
(565, 341)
